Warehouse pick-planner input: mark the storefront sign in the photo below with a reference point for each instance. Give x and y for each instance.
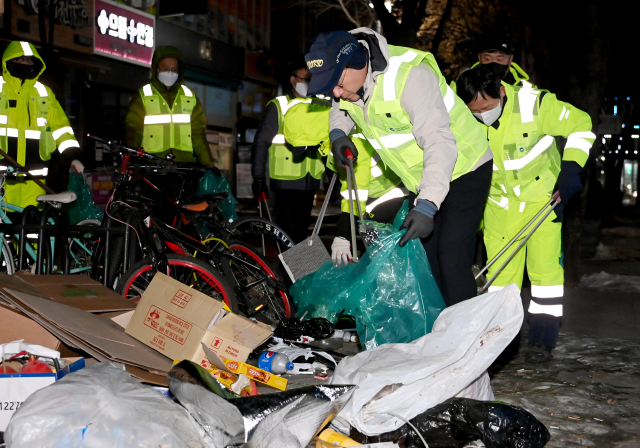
(124, 33)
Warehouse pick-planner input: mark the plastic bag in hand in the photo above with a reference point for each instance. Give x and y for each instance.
(390, 291)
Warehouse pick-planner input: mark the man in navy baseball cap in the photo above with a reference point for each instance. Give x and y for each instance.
(329, 55)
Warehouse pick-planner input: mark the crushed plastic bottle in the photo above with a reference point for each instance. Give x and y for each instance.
(275, 362)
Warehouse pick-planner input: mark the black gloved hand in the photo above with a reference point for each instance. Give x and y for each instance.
(214, 169)
(569, 183)
(340, 146)
(258, 187)
(419, 221)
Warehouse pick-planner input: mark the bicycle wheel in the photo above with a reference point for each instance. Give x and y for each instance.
(7, 261)
(248, 267)
(82, 248)
(262, 235)
(196, 274)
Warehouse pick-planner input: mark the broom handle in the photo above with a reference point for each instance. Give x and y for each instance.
(323, 210)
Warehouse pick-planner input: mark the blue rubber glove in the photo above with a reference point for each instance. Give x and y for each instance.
(419, 221)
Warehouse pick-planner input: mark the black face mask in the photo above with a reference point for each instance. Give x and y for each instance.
(499, 70)
(23, 71)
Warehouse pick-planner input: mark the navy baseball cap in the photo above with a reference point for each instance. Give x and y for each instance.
(329, 54)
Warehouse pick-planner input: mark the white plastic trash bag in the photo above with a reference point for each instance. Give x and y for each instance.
(408, 379)
(102, 406)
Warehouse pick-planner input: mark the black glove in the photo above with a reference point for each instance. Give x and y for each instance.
(569, 183)
(214, 169)
(340, 146)
(419, 221)
(258, 187)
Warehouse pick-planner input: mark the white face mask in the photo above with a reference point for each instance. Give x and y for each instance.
(489, 117)
(168, 78)
(302, 88)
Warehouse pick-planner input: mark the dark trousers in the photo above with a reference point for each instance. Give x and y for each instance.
(294, 212)
(451, 246)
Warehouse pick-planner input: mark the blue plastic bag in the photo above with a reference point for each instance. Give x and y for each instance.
(210, 183)
(391, 291)
(83, 207)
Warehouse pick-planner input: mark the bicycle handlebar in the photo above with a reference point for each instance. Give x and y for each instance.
(136, 152)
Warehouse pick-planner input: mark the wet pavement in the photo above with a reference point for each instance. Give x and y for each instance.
(587, 395)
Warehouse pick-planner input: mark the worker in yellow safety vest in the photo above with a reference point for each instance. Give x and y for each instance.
(521, 123)
(293, 171)
(166, 116)
(32, 123)
(422, 132)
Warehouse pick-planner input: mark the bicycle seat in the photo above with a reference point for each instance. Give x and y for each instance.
(65, 197)
(197, 207)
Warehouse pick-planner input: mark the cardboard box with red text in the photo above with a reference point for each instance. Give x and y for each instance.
(174, 320)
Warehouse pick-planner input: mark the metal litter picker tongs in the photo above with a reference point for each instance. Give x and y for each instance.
(553, 202)
(353, 187)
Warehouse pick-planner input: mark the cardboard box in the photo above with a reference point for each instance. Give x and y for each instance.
(175, 320)
(16, 388)
(251, 372)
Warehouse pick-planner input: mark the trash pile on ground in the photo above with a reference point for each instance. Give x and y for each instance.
(84, 367)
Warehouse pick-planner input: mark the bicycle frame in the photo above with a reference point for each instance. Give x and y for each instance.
(29, 248)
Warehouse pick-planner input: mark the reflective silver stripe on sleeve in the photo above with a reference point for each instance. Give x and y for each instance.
(146, 90)
(577, 140)
(68, 144)
(59, 132)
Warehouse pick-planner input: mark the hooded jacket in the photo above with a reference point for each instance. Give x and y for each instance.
(422, 100)
(134, 122)
(32, 122)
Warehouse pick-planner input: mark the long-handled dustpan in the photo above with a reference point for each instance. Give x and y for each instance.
(307, 256)
(553, 202)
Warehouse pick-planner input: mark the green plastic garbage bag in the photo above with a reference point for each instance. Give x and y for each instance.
(83, 207)
(209, 184)
(391, 291)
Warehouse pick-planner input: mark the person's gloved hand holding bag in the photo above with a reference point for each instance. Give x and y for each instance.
(419, 221)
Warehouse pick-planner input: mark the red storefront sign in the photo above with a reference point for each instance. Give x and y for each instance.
(123, 33)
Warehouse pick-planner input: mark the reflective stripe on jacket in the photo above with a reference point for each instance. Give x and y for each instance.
(32, 122)
(167, 127)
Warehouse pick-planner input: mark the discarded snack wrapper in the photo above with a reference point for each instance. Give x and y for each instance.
(251, 372)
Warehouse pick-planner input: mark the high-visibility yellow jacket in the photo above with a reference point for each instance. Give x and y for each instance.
(32, 125)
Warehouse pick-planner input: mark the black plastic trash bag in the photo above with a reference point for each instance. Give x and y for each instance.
(284, 419)
(459, 421)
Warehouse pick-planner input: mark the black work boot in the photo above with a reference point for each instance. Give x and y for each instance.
(538, 353)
